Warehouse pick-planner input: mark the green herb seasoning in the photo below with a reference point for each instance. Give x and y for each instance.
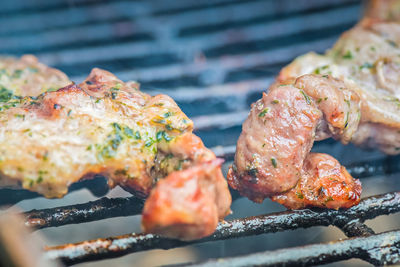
(159, 136)
(5, 95)
(149, 142)
(128, 132)
(167, 114)
(263, 112)
(39, 180)
(137, 135)
(114, 139)
(392, 43)
(348, 55)
(319, 69)
(306, 97)
(328, 199)
(33, 70)
(299, 195)
(46, 156)
(252, 171)
(21, 116)
(17, 74)
(274, 163)
(366, 65)
(162, 135)
(346, 124)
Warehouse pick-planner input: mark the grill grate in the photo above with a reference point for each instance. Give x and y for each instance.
(214, 57)
(115, 207)
(350, 220)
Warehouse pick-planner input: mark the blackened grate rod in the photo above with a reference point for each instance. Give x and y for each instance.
(91, 211)
(115, 207)
(369, 208)
(356, 228)
(380, 249)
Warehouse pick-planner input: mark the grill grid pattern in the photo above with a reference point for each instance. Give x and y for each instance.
(116, 207)
(368, 208)
(214, 68)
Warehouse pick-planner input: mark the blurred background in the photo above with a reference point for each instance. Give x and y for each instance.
(214, 57)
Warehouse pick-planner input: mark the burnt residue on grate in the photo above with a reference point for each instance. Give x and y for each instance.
(91, 211)
(116, 207)
(381, 249)
(116, 246)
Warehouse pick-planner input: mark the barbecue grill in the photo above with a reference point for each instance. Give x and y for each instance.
(214, 57)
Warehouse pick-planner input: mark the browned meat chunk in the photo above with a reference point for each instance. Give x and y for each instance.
(273, 151)
(108, 127)
(188, 204)
(324, 183)
(366, 59)
(360, 105)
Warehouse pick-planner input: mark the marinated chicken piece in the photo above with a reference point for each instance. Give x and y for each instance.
(26, 76)
(273, 151)
(104, 126)
(367, 60)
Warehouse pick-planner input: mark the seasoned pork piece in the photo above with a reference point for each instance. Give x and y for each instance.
(367, 60)
(358, 103)
(386, 10)
(324, 183)
(273, 152)
(26, 76)
(104, 126)
(195, 199)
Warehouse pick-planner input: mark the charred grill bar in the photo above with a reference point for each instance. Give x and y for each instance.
(108, 208)
(87, 212)
(214, 82)
(381, 249)
(349, 220)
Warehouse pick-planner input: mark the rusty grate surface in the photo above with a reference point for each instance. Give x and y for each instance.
(214, 58)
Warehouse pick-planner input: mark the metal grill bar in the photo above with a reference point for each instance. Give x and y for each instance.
(91, 211)
(13, 8)
(99, 186)
(381, 249)
(116, 246)
(93, 11)
(161, 11)
(54, 40)
(356, 228)
(115, 207)
(168, 71)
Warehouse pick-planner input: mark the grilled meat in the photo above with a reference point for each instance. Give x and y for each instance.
(353, 96)
(104, 126)
(273, 152)
(28, 77)
(386, 10)
(367, 59)
(188, 204)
